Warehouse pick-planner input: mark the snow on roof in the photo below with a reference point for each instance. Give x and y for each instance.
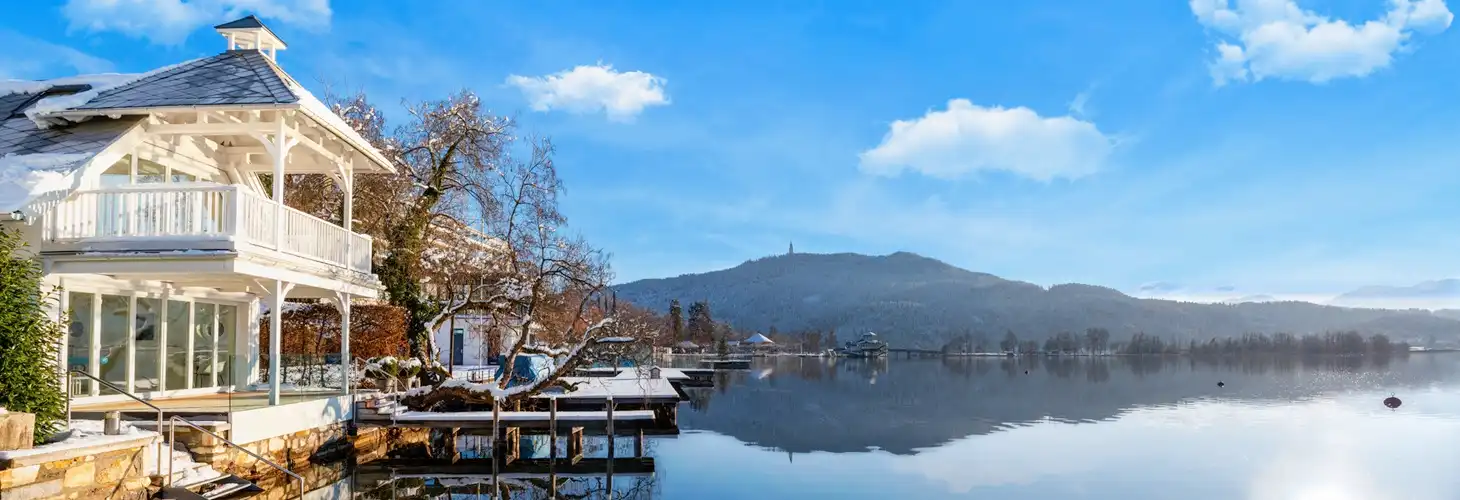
(99, 83)
(642, 372)
(622, 388)
(24, 178)
(8, 87)
(322, 113)
(758, 339)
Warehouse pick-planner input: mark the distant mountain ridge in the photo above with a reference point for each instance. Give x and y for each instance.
(917, 301)
(1435, 294)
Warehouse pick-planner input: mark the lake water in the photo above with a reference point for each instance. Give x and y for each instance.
(1127, 428)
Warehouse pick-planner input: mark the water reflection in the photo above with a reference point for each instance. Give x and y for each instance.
(994, 428)
(902, 406)
(454, 465)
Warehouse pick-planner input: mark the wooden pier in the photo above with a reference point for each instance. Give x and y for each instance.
(916, 353)
(389, 468)
(531, 422)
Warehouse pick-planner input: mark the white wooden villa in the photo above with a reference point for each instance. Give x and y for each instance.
(144, 196)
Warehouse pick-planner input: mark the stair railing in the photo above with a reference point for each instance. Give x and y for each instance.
(172, 437)
(171, 430)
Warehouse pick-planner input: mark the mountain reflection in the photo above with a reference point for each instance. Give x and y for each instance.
(809, 404)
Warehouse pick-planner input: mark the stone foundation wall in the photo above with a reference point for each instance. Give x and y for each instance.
(369, 444)
(116, 470)
(295, 451)
(115, 473)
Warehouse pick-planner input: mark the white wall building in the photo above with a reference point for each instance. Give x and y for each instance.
(142, 196)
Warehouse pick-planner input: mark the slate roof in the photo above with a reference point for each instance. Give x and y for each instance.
(231, 78)
(20, 136)
(250, 21)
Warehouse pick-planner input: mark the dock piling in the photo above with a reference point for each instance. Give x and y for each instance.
(513, 448)
(639, 444)
(552, 428)
(575, 445)
(610, 428)
(496, 436)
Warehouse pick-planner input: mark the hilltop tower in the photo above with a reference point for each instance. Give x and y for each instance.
(792, 249)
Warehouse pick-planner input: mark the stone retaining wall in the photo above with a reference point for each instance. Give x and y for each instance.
(111, 471)
(296, 450)
(115, 470)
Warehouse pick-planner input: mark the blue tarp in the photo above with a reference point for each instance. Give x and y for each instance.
(529, 368)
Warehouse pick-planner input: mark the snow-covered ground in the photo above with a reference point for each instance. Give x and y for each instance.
(89, 433)
(82, 434)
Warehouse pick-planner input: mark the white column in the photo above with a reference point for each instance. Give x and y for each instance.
(94, 366)
(276, 333)
(344, 299)
(281, 151)
(246, 372)
(131, 344)
(192, 343)
(160, 335)
(63, 354)
(349, 184)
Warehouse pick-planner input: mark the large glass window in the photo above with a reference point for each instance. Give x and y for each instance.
(148, 345)
(204, 345)
(78, 341)
(176, 341)
(119, 174)
(163, 358)
(116, 316)
(227, 327)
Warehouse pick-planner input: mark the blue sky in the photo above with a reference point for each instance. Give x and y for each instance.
(1211, 148)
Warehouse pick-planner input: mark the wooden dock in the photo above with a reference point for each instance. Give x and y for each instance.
(594, 423)
(916, 353)
(524, 468)
(475, 477)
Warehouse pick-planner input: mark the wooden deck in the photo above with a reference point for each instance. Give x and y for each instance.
(625, 422)
(386, 469)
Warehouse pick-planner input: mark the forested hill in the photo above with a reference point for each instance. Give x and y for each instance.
(915, 301)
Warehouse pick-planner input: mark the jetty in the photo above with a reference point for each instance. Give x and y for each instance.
(916, 353)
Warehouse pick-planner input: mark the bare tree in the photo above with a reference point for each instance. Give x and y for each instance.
(466, 226)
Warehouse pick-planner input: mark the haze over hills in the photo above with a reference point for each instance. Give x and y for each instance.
(915, 301)
(1436, 294)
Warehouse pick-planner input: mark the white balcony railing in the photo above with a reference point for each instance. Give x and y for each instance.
(208, 213)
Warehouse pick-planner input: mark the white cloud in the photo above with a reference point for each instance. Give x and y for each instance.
(590, 89)
(170, 21)
(33, 59)
(1278, 39)
(966, 138)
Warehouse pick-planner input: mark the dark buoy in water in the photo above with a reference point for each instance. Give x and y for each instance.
(1392, 402)
(1221, 384)
(1026, 372)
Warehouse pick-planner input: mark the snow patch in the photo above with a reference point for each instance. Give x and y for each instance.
(81, 434)
(24, 178)
(99, 83)
(8, 87)
(186, 470)
(317, 109)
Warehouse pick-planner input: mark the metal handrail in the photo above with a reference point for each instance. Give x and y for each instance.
(124, 393)
(172, 437)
